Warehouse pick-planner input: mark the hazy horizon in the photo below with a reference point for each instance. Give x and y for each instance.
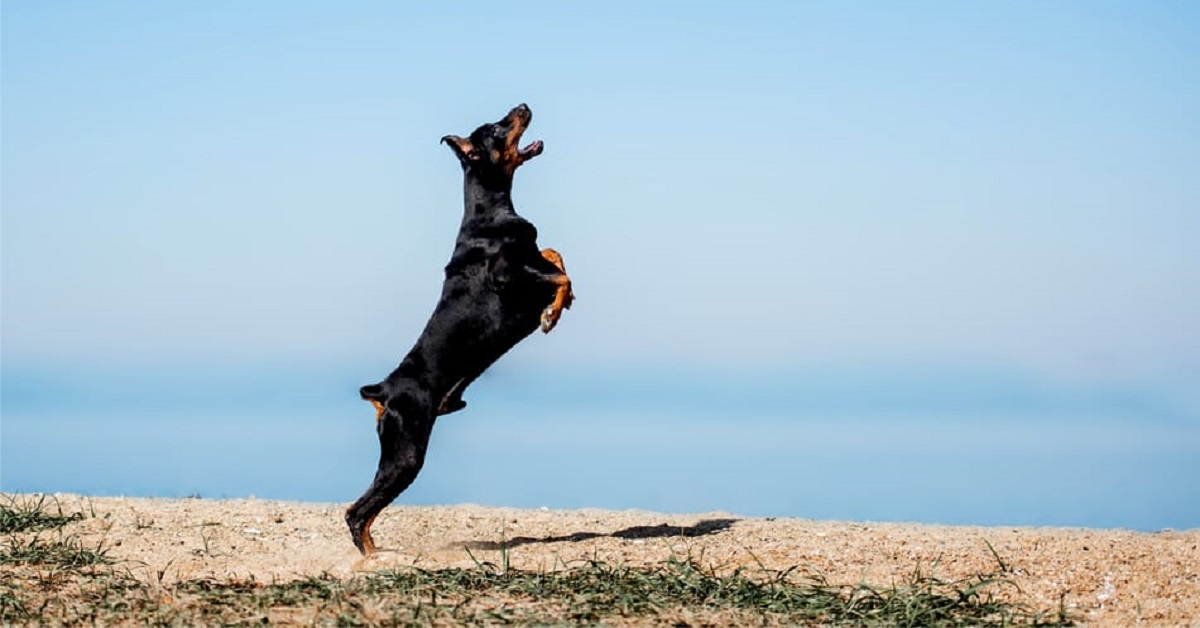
(955, 447)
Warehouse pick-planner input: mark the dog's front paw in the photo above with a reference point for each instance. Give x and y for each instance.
(550, 318)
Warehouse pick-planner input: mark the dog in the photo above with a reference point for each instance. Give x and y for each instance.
(498, 288)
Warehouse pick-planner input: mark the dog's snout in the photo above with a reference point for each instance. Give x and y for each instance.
(521, 112)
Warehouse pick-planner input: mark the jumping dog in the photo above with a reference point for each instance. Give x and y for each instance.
(499, 287)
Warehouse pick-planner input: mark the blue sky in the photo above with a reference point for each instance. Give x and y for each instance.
(898, 202)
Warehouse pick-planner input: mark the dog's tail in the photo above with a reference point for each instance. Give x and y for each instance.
(374, 392)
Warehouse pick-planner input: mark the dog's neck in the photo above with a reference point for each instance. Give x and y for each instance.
(481, 201)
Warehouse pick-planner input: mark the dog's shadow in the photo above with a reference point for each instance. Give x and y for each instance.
(663, 530)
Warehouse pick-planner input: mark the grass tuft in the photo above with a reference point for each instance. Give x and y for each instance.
(31, 515)
(68, 553)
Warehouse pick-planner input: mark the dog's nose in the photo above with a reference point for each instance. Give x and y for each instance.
(523, 108)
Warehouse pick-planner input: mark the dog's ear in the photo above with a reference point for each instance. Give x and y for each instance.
(463, 148)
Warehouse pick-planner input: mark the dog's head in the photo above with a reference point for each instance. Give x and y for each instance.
(493, 152)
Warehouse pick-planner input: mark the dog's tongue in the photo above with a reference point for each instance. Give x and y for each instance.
(533, 150)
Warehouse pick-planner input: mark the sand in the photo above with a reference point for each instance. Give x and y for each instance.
(1105, 577)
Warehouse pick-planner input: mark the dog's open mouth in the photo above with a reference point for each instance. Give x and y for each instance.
(532, 150)
(519, 119)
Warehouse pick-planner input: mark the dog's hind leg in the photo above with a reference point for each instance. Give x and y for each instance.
(563, 296)
(402, 445)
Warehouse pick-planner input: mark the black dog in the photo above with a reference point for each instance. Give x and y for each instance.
(499, 288)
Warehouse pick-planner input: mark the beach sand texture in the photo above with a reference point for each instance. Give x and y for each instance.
(1104, 577)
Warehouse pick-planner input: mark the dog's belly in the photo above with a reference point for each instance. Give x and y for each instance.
(472, 330)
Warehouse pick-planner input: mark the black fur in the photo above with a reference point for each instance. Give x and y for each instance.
(498, 288)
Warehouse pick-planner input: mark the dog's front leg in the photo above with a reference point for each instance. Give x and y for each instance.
(563, 295)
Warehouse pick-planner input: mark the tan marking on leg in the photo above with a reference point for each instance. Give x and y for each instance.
(563, 297)
(554, 257)
(368, 543)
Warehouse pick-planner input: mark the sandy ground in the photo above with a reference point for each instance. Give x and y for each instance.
(1107, 577)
